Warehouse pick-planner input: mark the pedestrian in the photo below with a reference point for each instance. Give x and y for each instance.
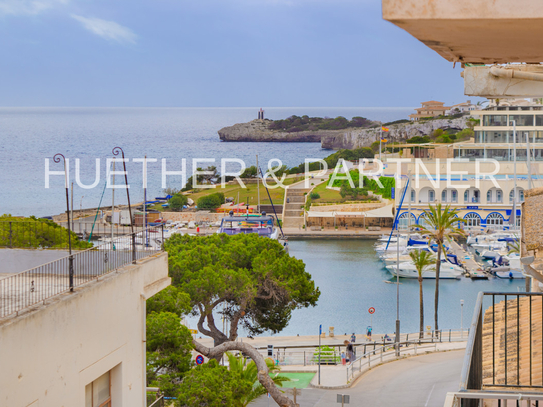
(350, 351)
(353, 338)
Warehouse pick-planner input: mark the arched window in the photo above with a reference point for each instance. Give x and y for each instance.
(423, 221)
(494, 218)
(472, 219)
(403, 220)
(412, 195)
(520, 195)
(488, 196)
(431, 195)
(466, 192)
(499, 196)
(454, 195)
(444, 195)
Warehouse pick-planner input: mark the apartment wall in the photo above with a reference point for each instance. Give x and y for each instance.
(50, 353)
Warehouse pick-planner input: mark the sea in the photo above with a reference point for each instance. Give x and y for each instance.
(348, 272)
(30, 137)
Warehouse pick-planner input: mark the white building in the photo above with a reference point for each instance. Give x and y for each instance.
(81, 348)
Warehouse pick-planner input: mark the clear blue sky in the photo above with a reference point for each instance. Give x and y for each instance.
(214, 53)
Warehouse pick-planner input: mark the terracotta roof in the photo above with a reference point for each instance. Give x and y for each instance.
(433, 102)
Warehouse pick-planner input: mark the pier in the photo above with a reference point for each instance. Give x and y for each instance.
(473, 269)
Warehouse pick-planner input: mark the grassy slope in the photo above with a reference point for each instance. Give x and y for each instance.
(248, 194)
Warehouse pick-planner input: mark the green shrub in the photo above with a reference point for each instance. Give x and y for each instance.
(176, 202)
(314, 195)
(211, 201)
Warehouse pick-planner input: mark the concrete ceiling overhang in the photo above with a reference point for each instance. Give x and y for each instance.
(473, 31)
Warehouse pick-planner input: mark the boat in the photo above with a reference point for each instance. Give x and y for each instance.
(263, 225)
(408, 270)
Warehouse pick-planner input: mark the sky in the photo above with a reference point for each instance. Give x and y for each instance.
(214, 53)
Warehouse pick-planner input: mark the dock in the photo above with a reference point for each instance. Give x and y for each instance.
(474, 270)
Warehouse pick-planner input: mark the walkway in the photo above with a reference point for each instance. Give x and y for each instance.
(295, 197)
(421, 381)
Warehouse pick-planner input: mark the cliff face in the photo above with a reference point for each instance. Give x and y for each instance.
(257, 130)
(356, 138)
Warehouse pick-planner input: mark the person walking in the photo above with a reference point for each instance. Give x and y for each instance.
(350, 351)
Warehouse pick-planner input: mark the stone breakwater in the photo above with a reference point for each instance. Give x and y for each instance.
(356, 138)
(257, 130)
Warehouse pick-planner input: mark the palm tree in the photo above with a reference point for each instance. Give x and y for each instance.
(440, 226)
(249, 372)
(422, 260)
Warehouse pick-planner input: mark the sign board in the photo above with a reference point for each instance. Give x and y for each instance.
(371, 310)
(343, 398)
(193, 331)
(472, 207)
(199, 359)
(270, 350)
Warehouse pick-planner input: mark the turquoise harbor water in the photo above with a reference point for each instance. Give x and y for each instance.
(352, 279)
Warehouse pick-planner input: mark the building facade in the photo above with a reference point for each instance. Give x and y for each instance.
(82, 348)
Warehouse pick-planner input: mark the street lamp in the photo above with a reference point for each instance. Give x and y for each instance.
(461, 318)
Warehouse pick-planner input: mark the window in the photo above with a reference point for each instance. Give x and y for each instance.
(499, 196)
(431, 195)
(403, 220)
(472, 219)
(444, 195)
(466, 193)
(454, 194)
(494, 219)
(412, 195)
(539, 120)
(475, 196)
(495, 120)
(98, 393)
(489, 196)
(520, 195)
(521, 119)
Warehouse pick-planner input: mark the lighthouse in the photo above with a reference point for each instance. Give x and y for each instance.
(261, 114)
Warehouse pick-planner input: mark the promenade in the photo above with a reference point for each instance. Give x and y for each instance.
(421, 381)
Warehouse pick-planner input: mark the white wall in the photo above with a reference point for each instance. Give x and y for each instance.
(49, 354)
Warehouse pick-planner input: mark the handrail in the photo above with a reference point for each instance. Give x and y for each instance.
(382, 352)
(36, 285)
(466, 366)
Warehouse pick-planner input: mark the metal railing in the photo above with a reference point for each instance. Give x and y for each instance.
(34, 286)
(307, 355)
(46, 234)
(33, 234)
(388, 352)
(505, 319)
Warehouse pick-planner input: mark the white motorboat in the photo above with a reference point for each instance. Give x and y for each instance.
(408, 270)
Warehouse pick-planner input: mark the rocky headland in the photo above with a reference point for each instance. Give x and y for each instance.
(258, 130)
(350, 138)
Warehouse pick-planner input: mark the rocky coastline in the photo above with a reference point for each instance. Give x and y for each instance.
(258, 131)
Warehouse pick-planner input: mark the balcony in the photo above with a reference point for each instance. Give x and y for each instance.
(503, 359)
(481, 32)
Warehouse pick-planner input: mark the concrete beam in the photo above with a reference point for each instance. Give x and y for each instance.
(482, 31)
(480, 81)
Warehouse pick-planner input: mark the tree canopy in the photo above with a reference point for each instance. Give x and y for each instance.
(211, 385)
(252, 277)
(177, 202)
(169, 343)
(33, 232)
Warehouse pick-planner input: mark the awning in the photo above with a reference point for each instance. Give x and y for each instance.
(384, 212)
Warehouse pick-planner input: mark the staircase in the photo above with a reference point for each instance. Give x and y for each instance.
(293, 212)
